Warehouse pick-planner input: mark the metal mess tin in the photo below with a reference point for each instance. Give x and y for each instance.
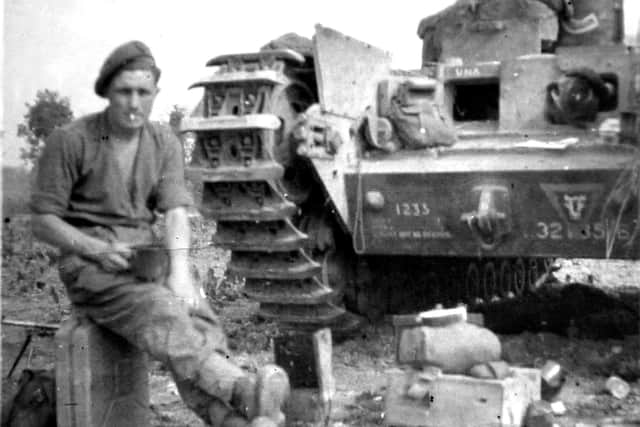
(149, 261)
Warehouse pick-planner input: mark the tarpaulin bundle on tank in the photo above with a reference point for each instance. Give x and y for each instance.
(293, 41)
(405, 118)
(419, 124)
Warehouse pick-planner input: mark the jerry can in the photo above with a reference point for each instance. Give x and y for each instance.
(101, 380)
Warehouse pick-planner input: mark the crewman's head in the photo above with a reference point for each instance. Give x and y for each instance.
(128, 79)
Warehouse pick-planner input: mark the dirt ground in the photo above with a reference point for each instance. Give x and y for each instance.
(32, 291)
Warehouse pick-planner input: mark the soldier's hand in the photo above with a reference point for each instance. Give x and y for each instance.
(115, 257)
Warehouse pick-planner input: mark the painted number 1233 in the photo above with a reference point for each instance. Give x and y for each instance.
(412, 209)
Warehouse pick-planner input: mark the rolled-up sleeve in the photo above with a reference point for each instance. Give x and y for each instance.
(172, 190)
(55, 174)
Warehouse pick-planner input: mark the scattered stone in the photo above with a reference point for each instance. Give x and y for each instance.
(618, 387)
(553, 378)
(558, 408)
(172, 389)
(573, 271)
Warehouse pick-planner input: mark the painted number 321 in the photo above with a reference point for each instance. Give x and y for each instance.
(412, 209)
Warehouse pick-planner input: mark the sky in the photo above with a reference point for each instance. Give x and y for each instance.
(60, 45)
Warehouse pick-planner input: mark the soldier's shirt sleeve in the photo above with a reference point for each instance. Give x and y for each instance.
(172, 190)
(55, 174)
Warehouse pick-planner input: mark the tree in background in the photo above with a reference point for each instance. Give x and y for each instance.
(49, 111)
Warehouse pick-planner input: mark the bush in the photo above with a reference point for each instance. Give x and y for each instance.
(24, 259)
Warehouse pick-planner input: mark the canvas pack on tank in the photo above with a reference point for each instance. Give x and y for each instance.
(343, 186)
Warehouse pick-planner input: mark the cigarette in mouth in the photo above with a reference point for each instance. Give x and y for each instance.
(132, 116)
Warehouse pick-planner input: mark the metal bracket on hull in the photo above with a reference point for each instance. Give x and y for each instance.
(488, 225)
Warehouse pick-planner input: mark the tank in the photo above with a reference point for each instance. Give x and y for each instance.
(331, 211)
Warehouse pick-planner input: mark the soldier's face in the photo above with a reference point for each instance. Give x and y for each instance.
(131, 95)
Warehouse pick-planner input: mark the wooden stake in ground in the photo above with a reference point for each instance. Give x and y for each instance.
(323, 350)
(307, 358)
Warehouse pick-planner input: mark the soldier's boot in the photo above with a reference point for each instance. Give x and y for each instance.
(257, 400)
(263, 395)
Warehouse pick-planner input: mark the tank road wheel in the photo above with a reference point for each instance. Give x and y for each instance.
(453, 288)
(288, 102)
(338, 263)
(459, 278)
(533, 274)
(548, 265)
(519, 277)
(472, 285)
(433, 295)
(489, 282)
(506, 279)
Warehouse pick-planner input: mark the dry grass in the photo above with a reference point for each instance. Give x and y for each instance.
(622, 198)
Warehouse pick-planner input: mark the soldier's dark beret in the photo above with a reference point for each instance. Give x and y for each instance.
(133, 55)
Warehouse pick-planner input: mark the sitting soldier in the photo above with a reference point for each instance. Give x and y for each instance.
(99, 181)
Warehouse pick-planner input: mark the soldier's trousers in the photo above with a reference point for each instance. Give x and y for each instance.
(191, 344)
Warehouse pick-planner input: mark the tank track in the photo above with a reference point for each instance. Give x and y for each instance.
(241, 157)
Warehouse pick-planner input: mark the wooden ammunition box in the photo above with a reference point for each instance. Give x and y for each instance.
(101, 380)
(460, 401)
